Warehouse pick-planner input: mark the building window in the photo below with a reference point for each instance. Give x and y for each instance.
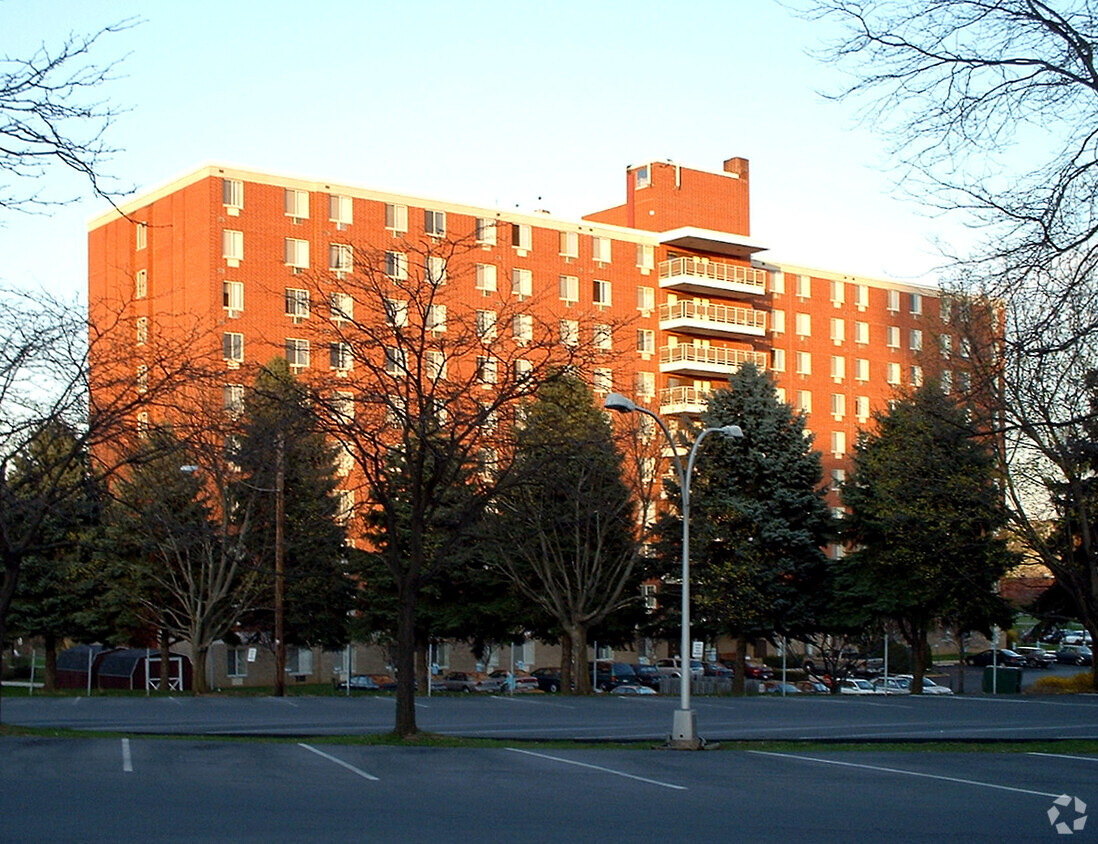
(232, 194)
(777, 322)
(569, 288)
(232, 346)
(915, 340)
(646, 385)
(435, 270)
(569, 332)
(861, 296)
(299, 661)
(777, 362)
(642, 177)
(945, 345)
(838, 367)
(340, 210)
(343, 406)
(394, 362)
(436, 318)
(297, 353)
(486, 277)
(646, 256)
(396, 218)
(804, 401)
(804, 286)
(232, 296)
(892, 337)
(341, 258)
(233, 398)
(861, 369)
(522, 283)
(894, 300)
(232, 245)
(838, 405)
(435, 364)
(838, 476)
(345, 506)
(486, 231)
(297, 303)
(486, 370)
(297, 204)
(522, 370)
(600, 249)
(944, 309)
(142, 378)
(861, 408)
(804, 363)
(838, 330)
(916, 375)
(646, 341)
(141, 284)
(339, 356)
(947, 381)
(861, 333)
(838, 443)
(396, 313)
(569, 244)
(916, 303)
(603, 337)
(838, 293)
(522, 326)
(646, 299)
(601, 292)
(434, 223)
(396, 265)
(236, 661)
(141, 235)
(966, 348)
(893, 373)
(486, 326)
(143, 329)
(803, 324)
(297, 253)
(342, 306)
(521, 236)
(603, 381)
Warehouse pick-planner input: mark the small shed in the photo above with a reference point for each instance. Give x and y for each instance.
(73, 665)
(137, 668)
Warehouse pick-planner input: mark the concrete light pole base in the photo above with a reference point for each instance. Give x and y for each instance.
(684, 731)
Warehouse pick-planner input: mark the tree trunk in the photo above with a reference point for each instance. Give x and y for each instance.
(567, 671)
(578, 634)
(739, 681)
(960, 662)
(423, 672)
(201, 655)
(406, 661)
(165, 662)
(49, 681)
(920, 652)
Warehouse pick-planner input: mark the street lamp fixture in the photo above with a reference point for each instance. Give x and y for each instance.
(684, 728)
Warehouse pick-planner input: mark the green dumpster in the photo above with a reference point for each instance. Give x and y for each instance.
(1003, 680)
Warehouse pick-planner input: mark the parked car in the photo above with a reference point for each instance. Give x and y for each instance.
(520, 681)
(716, 669)
(632, 689)
(929, 686)
(856, 686)
(1076, 637)
(777, 687)
(648, 675)
(672, 667)
(1036, 657)
(610, 675)
(812, 687)
(548, 679)
(472, 681)
(1006, 657)
(757, 670)
(892, 686)
(1075, 655)
(360, 683)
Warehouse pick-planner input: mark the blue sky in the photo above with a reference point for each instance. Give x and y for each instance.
(523, 104)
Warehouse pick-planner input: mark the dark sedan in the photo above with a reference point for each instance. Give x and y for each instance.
(648, 675)
(1075, 655)
(548, 679)
(1005, 657)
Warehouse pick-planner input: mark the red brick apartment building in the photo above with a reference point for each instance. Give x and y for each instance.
(673, 270)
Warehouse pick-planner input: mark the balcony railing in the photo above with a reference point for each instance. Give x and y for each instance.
(683, 400)
(711, 318)
(696, 275)
(687, 356)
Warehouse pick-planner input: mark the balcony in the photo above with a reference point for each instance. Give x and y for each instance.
(693, 275)
(677, 400)
(711, 320)
(707, 362)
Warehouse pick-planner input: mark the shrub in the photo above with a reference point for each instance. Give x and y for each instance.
(1082, 682)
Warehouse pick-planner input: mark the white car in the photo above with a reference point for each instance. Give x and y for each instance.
(856, 686)
(929, 686)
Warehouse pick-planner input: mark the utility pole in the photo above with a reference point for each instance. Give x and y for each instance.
(280, 566)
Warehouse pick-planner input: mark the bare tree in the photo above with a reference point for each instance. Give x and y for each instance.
(427, 373)
(52, 114)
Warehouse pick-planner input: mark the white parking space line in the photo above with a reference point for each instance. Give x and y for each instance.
(284, 700)
(1065, 756)
(901, 772)
(341, 763)
(127, 760)
(532, 702)
(599, 768)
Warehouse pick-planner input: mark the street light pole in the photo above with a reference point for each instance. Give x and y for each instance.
(684, 727)
(280, 566)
